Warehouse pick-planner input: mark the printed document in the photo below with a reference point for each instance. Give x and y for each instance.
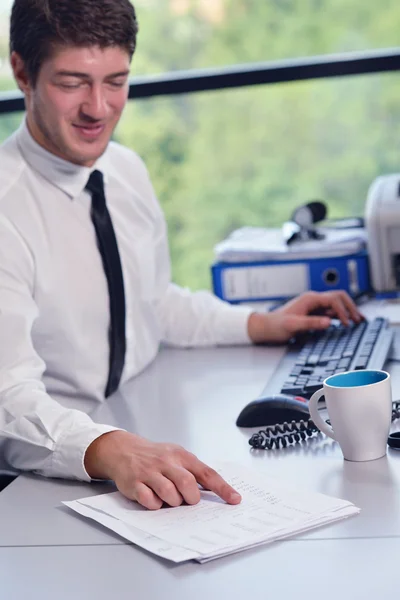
(270, 511)
(249, 244)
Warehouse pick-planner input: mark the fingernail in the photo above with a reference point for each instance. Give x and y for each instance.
(325, 322)
(235, 497)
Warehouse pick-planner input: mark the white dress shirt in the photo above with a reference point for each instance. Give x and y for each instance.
(54, 303)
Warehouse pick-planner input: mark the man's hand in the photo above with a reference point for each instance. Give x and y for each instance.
(152, 473)
(296, 316)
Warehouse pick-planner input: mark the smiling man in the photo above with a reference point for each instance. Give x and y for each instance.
(86, 296)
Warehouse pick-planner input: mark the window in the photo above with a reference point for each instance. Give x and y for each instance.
(186, 34)
(6, 80)
(8, 124)
(220, 160)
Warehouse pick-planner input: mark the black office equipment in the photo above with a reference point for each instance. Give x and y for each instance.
(312, 358)
(269, 410)
(394, 440)
(301, 226)
(5, 480)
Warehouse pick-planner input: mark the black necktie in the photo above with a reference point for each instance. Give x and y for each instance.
(108, 247)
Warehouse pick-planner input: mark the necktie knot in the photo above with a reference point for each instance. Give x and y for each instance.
(95, 184)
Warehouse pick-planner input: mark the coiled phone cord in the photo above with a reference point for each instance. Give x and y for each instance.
(283, 434)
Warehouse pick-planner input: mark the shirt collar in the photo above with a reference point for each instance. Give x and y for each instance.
(67, 176)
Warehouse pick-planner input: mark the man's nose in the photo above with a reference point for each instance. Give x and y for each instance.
(95, 105)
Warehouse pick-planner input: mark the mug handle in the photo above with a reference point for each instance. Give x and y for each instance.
(314, 413)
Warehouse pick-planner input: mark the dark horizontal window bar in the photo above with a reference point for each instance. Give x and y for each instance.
(184, 82)
(187, 82)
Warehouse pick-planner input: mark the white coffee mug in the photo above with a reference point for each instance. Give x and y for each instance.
(359, 404)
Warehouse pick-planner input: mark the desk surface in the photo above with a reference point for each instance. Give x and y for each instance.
(328, 570)
(193, 398)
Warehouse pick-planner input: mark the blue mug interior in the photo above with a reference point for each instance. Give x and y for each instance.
(356, 379)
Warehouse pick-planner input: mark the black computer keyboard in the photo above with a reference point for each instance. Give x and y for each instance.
(318, 355)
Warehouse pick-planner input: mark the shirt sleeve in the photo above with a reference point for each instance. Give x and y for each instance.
(193, 319)
(36, 432)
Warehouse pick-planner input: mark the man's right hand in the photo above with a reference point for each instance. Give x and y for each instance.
(153, 473)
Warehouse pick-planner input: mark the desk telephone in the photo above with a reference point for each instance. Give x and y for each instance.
(288, 427)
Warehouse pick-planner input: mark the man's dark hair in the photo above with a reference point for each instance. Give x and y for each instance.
(38, 26)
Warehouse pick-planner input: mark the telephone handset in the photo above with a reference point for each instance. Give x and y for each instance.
(283, 434)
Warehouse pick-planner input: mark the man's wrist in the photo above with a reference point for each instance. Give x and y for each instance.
(257, 327)
(102, 455)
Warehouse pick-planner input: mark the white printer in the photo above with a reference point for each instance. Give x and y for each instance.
(382, 222)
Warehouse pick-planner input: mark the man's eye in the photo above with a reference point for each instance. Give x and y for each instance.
(117, 84)
(70, 86)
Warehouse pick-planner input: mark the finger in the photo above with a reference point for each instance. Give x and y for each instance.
(165, 489)
(144, 496)
(212, 481)
(351, 307)
(334, 301)
(299, 324)
(185, 482)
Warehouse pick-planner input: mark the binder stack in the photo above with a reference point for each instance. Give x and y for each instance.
(255, 264)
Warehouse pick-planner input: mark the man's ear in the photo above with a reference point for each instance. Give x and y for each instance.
(20, 73)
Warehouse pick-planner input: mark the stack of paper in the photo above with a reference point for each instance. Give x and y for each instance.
(249, 244)
(270, 511)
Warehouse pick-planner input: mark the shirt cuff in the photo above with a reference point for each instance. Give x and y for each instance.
(233, 325)
(69, 457)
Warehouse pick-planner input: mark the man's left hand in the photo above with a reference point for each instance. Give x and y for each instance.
(297, 316)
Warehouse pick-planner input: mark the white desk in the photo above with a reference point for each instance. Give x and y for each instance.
(328, 570)
(193, 398)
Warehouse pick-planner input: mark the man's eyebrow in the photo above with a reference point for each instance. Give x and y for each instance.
(64, 73)
(120, 74)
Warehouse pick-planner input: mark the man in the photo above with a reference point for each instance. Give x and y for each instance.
(85, 290)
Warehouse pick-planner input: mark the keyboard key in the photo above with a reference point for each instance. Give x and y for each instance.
(297, 370)
(313, 359)
(290, 389)
(344, 363)
(332, 364)
(361, 364)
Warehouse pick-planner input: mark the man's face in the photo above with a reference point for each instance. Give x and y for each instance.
(77, 101)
